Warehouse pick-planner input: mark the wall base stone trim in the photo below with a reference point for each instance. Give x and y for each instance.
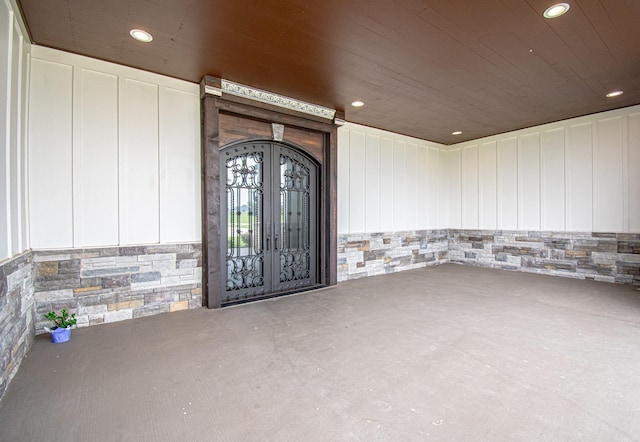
(112, 284)
(607, 257)
(599, 256)
(369, 254)
(16, 315)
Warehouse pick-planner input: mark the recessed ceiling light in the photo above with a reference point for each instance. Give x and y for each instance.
(141, 35)
(458, 132)
(556, 10)
(357, 103)
(614, 94)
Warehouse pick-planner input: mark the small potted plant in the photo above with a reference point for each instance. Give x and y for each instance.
(64, 323)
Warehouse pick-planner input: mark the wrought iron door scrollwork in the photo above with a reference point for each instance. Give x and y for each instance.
(245, 171)
(244, 272)
(295, 187)
(294, 266)
(245, 191)
(269, 220)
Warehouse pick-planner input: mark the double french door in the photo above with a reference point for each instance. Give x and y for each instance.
(269, 219)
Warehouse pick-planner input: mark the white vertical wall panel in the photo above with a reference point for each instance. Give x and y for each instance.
(608, 174)
(400, 199)
(14, 67)
(433, 191)
(386, 185)
(633, 168)
(372, 184)
(180, 218)
(153, 180)
(529, 182)
(392, 181)
(444, 189)
(50, 154)
(343, 180)
(5, 100)
(573, 175)
(552, 179)
(455, 188)
(138, 163)
(470, 187)
(625, 174)
(24, 158)
(357, 149)
(135, 151)
(579, 177)
(411, 186)
(15, 142)
(508, 184)
(95, 162)
(487, 186)
(422, 186)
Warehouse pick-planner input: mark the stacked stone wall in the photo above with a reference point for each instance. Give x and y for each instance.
(117, 283)
(16, 315)
(608, 257)
(370, 254)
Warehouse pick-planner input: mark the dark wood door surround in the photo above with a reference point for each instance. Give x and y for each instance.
(229, 119)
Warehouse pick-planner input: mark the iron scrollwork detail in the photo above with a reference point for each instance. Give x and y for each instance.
(269, 208)
(245, 191)
(295, 189)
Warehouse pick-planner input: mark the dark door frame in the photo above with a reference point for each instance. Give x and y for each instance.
(213, 269)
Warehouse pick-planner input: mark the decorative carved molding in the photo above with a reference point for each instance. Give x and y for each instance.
(240, 90)
(278, 131)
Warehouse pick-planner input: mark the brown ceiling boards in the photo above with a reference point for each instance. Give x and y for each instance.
(423, 68)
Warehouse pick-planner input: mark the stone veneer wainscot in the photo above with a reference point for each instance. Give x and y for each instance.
(16, 315)
(607, 257)
(369, 254)
(116, 283)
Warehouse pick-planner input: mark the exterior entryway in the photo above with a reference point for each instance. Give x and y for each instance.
(269, 198)
(269, 205)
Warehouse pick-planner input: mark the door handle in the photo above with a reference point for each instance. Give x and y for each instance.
(268, 236)
(275, 237)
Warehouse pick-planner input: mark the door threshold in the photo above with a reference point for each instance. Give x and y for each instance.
(275, 295)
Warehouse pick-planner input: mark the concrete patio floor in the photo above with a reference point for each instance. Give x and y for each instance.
(447, 353)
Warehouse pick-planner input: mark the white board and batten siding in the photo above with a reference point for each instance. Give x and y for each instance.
(114, 154)
(633, 171)
(454, 181)
(507, 184)
(487, 185)
(388, 182)
(114, 159)
(529, 181)
(469, 187)
(573, 175)
(14, 81)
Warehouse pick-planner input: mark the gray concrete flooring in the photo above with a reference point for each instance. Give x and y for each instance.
(448, 353)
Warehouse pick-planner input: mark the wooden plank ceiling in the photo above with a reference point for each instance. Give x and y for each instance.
(423, 68)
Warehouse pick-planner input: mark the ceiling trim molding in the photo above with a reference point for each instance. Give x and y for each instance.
(251, 93)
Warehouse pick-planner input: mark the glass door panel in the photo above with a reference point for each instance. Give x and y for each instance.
(245, 226)
(295, 223)
(269, 220)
